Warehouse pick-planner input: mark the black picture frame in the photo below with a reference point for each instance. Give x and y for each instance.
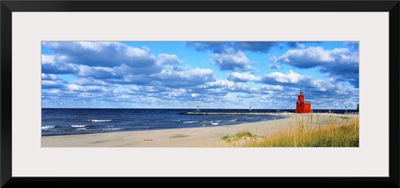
(7, 7)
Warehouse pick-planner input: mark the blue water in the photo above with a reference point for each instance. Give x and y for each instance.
(87, 121)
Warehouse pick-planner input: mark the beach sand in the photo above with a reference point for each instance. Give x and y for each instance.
(185, 137)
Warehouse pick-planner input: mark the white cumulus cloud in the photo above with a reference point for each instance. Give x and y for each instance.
(231, 61)
(242, 77)
(291, 77)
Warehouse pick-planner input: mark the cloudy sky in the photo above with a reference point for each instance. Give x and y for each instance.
(263, 75)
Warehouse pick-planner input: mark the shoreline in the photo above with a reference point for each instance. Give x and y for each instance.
(180, 137)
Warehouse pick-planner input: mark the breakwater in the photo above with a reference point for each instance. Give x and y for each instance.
(235, 113)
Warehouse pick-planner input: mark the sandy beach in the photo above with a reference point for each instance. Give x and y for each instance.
(184, 137)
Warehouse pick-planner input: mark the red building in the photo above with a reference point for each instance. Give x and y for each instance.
(302, 106)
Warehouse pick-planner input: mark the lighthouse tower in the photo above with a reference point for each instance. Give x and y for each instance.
(302, 106)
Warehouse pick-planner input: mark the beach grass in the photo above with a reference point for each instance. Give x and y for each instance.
(238, 136)
(306, 131)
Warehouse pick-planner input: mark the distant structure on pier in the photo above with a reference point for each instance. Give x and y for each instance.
(302, 106)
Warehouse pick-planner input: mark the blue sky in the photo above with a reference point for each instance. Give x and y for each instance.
(228, 74)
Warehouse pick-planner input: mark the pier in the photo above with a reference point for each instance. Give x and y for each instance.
(235, 113)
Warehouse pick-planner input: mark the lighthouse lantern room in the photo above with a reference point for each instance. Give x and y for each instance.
(302, 106)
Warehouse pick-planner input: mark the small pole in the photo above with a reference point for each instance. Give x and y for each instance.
(346, 108)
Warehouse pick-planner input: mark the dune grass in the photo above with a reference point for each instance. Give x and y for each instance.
(303, 132)
(242, 135)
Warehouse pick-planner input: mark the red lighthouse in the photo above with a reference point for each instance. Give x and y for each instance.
(302, 106)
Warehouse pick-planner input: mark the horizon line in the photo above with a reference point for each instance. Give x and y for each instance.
(192, 108)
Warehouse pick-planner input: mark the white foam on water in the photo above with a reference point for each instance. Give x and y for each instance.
(214, 123)
(100, 120)
(187, 122)
(111, 129)
(233, 120)
(46, 127)
(78, 126)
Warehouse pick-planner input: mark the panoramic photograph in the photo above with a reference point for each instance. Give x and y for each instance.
(200, 94)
